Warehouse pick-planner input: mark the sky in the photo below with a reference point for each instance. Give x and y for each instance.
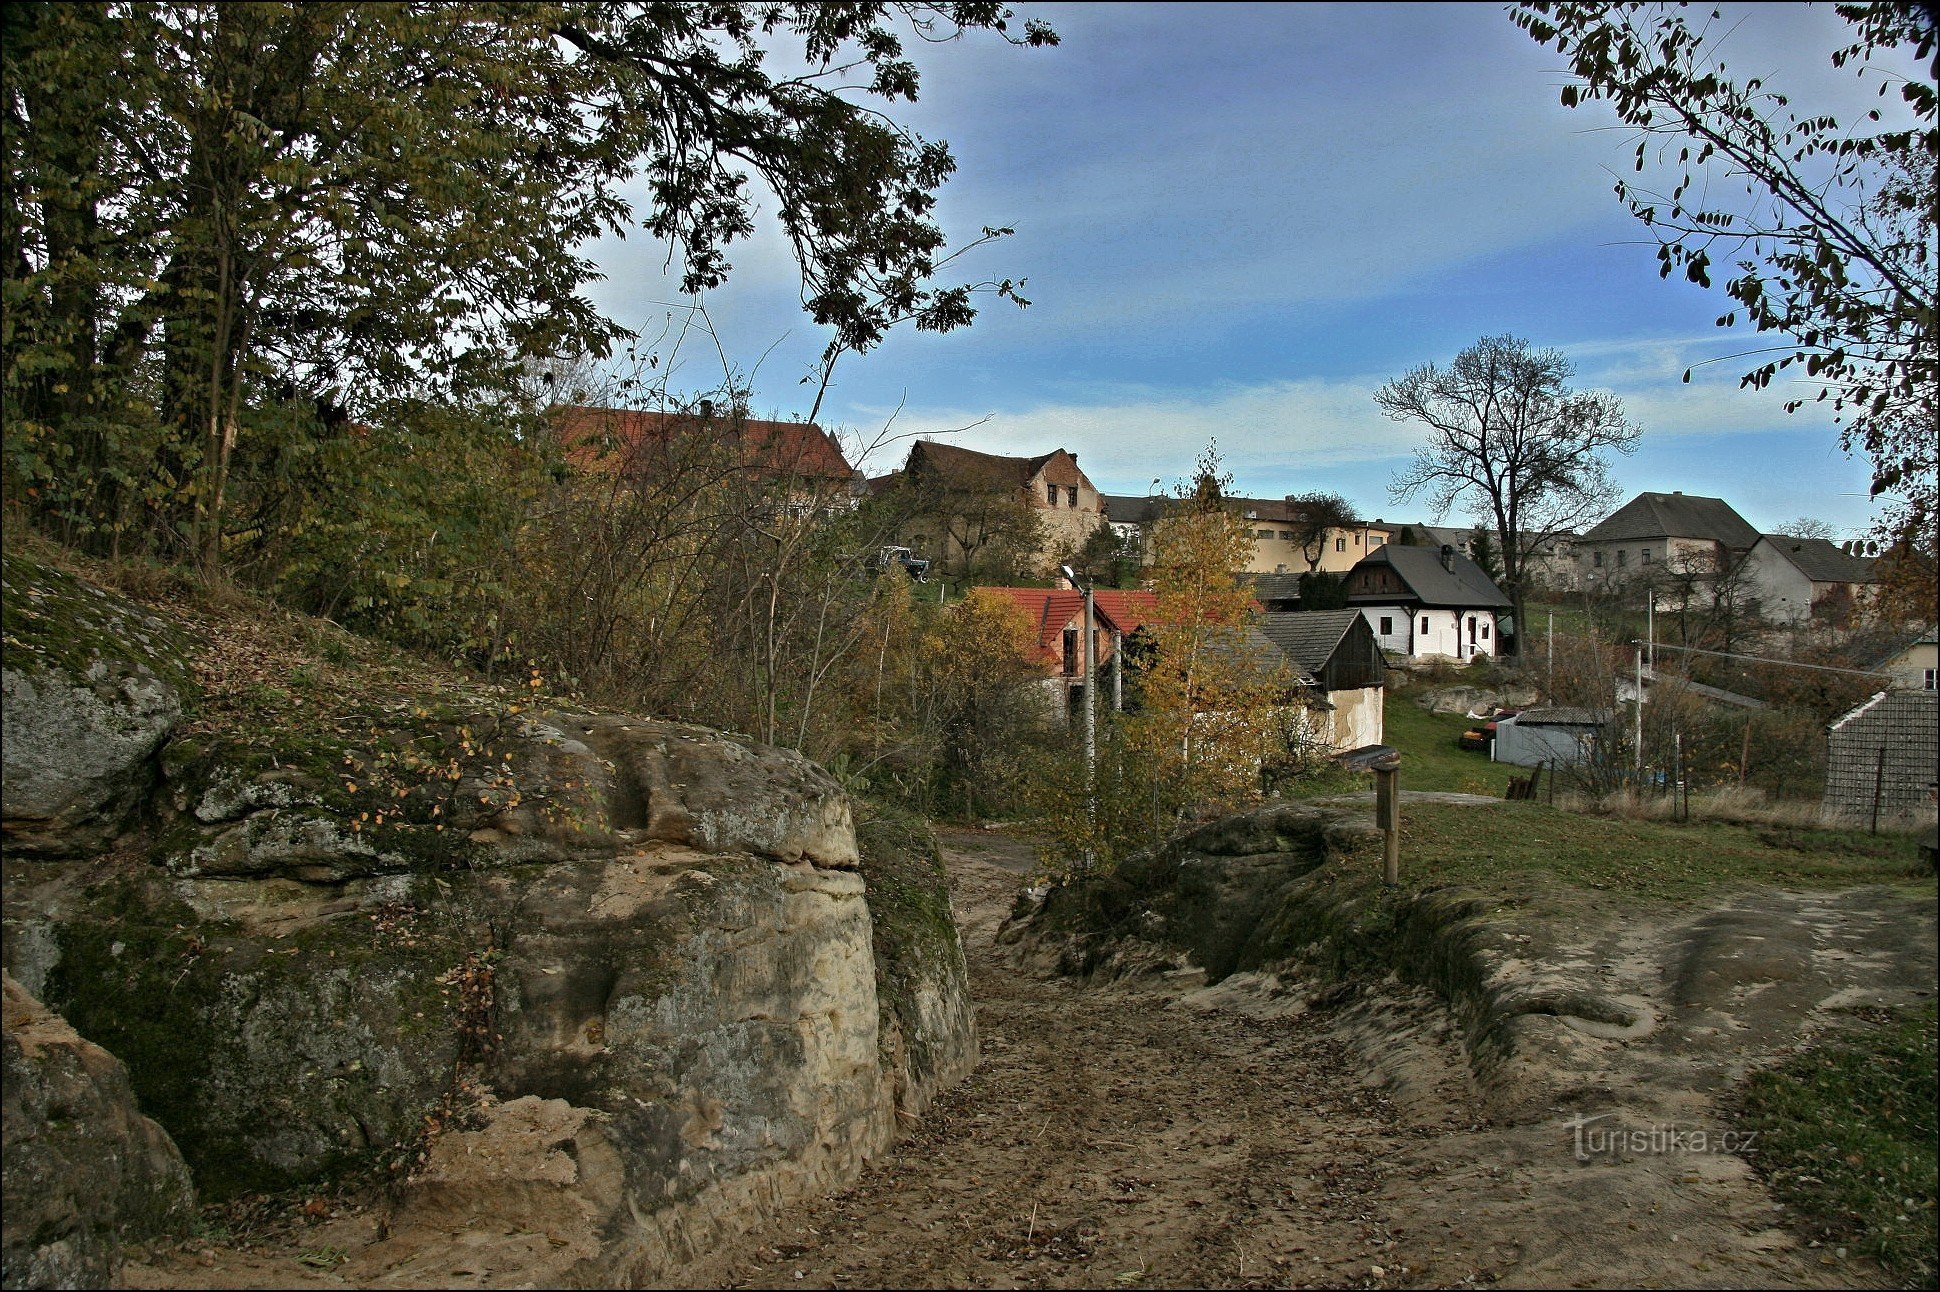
(1235, 222)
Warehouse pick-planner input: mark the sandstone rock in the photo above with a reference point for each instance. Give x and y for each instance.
(651, 941)
(90, 690)
(85, 1171)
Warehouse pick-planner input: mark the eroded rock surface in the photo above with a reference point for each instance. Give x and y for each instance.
(586, 937)
(85, 1171)
(90, 689)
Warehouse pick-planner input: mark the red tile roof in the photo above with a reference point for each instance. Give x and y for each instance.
(1129, 609)
(1052, 610)
(800, 449)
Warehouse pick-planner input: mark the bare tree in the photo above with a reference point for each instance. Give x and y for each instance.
(1508, 437)
(1314, 517)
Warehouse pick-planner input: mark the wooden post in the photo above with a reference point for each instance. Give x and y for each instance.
(1879, 783)
(1387, 816)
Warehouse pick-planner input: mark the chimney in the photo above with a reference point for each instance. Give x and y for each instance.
(1448, 558)
(707, 408)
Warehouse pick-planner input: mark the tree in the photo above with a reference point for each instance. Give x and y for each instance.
(1833, 244)
(1207, 698)
(221, 212)
(1482, 550)
(1508, 436)
(1315, 517)
(1807, 527)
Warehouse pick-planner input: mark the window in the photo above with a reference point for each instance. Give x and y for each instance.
(1071, 494)
(1387, 629)
(1340, 545)
(1424, 623)
(1286, 536)
(1643, 556)
(1596, 559)
(1070, 651)
(1623, 558)
(1485, 632)
(1262, 533)
(1927, 680)
(1051, 494)
(1357, 540)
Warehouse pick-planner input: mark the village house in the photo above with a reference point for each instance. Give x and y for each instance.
(1652, 531)
(1550, 565)
(965, 505)
(1273, 524)
(798, 461)
(1424, 603)
(1915, 665)
(1796, 579)
(1058, 615)
(1339, 665)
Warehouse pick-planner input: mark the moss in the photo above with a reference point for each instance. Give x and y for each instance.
(278, 1062)
(913, 930)
(127, 976)
(56, 623)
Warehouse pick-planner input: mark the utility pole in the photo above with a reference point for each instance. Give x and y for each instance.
(1088, 711)
(1638, 730)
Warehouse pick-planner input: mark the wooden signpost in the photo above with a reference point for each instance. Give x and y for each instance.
(1387, 815)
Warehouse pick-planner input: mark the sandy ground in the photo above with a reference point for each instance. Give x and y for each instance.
(1156, 1132)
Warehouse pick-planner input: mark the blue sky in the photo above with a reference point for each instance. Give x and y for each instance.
(1237, 221)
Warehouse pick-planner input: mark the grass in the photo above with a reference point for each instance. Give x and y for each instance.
(1430, 759)
(1500, 850)
(1847, 1139)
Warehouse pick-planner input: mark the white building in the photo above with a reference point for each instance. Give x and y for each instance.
(1798, 578)
(1422, 603)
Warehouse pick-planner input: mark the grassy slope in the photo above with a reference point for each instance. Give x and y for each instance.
(1430, 759)
(1847, 1139)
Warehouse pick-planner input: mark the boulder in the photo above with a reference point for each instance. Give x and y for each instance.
(91, 688)
(358, 929)
(85, 1171)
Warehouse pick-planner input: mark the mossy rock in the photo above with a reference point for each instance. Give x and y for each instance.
(273, 1060)
(93, 686)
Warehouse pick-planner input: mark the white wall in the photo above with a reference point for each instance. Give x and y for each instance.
(1784, 594)
(1445, 633)
(1356, 717)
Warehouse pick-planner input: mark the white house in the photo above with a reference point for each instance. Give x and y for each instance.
(1422, 602)
(1797, 578)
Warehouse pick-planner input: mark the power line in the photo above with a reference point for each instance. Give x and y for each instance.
(1762, 659)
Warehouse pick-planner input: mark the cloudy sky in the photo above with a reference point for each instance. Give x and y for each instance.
(1237, 221)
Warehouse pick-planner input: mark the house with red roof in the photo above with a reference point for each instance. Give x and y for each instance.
(799, 459)
(1058, 615)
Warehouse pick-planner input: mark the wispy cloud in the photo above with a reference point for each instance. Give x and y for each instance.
(1291, 435)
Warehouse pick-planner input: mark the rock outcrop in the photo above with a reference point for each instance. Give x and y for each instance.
(91, 687)
(84, 1170)
(642, 947)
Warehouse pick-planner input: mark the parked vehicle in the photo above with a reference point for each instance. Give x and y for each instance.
(1482, 734)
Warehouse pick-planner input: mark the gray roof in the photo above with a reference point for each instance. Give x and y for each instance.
(1559, 717)
(1309, 637)
(1674, 515)
(1421, 569)
(1432, 536)
(1821, 561)
(1274, 587)
(1126, 509)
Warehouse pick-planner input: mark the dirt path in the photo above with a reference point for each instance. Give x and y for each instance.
(1159, 1134)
